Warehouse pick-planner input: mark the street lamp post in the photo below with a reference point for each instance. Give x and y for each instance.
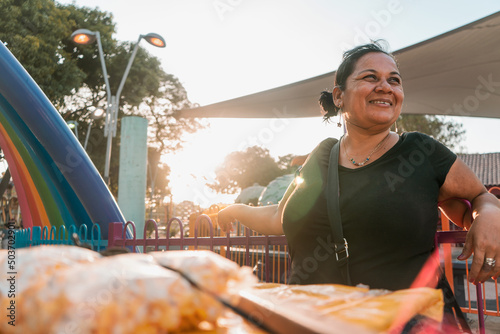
(85, 36)
(98, 113)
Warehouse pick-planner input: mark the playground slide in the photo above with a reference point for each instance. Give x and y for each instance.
(56, 182)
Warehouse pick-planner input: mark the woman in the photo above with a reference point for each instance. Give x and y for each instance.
(389, 184)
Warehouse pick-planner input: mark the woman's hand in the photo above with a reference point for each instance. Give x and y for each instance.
(483, 239)
(226, 219)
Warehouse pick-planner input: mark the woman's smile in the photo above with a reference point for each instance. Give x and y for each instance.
(382, 102)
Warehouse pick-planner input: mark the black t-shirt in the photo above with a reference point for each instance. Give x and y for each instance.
(389, 214)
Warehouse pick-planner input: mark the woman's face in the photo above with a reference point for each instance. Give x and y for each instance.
(373, 94)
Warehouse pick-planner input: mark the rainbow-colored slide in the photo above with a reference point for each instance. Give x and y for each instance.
(56, 182)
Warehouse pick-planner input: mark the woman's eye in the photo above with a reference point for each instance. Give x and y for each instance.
(395, 80)
(371, 77)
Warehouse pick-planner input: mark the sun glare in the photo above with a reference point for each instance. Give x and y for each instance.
(194, 167)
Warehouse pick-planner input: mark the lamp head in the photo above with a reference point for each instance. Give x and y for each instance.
(83, 36)
(155, 39)
(98, 113)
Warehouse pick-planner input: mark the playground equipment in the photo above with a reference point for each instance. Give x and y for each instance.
(57, 183)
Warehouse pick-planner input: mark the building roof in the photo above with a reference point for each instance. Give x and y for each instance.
(450, 74)
(485, 165)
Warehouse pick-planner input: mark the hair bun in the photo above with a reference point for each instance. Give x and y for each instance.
(327, 105)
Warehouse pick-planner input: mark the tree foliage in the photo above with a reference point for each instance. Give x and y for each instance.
(158, 183)
(448, 132)
(243, 169)
(33, 30)
(285, 164)
(38, 33)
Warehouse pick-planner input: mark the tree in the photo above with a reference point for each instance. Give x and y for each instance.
(148, 92)
(33, 31)
(165, 129)
(38, 33)
(157, 180)
(243, 169)
(285, 164)
(447, 132)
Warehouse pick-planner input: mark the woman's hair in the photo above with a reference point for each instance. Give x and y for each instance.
(349, 60)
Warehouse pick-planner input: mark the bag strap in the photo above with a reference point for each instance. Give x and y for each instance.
(332, 201)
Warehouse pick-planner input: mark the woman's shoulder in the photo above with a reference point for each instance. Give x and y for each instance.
(424, 143)
(326, 143)
(419, 139)
(321, 152)
(415, 136)
(324, 146)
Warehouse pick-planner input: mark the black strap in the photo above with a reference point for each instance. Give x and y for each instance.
(332, 202)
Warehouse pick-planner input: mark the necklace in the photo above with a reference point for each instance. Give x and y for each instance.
(369, 155)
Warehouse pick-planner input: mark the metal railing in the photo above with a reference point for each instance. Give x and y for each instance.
(481, 299)
(268, 255)
(37, 235)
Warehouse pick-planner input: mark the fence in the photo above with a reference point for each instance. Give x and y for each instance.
(37, 235)
(268, 255)
(456, 277)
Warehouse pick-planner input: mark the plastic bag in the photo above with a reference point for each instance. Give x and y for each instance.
(78, 291)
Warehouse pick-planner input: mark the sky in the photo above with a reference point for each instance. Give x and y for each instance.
(222, 49)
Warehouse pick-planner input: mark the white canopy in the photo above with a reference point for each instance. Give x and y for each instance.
(456, 73)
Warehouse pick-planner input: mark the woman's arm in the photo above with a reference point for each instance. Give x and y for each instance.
(458, 210)
(263, 219)
(483, 238)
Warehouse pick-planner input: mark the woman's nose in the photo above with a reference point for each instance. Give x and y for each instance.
(383, 86)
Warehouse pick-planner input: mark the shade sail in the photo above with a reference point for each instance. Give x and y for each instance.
(456, 73)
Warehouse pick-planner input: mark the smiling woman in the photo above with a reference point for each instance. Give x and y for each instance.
(364, 196)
